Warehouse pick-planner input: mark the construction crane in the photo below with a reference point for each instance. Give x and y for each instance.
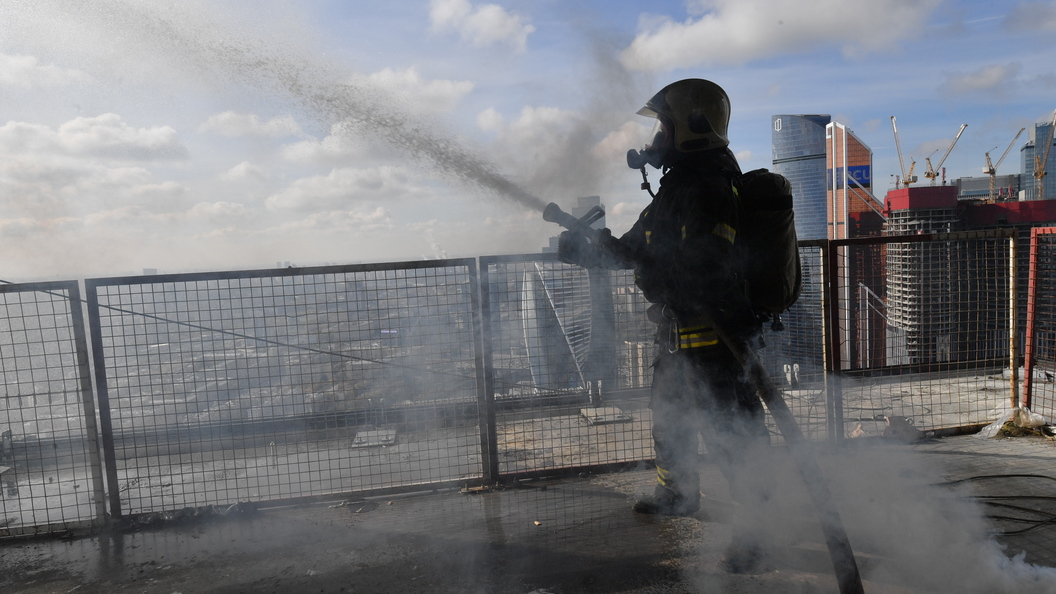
(1039, 164)
(931, 173)
(991, 168)
(907, 176)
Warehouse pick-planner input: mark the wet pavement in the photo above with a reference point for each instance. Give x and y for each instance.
(912, 529)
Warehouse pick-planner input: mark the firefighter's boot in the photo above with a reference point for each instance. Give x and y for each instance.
(668, 502)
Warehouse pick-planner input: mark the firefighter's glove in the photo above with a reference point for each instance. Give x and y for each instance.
(573, 247)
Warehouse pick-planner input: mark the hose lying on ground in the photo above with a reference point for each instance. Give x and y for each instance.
(843, 561)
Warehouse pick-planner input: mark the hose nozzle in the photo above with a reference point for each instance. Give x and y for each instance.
(553, 214)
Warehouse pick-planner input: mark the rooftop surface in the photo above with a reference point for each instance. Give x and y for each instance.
(912, 529)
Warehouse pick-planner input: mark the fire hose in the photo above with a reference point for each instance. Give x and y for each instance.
(843, 561)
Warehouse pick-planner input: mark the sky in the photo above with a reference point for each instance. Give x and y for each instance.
(236, 134)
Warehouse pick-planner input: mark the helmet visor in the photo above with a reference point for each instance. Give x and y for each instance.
(657, 137)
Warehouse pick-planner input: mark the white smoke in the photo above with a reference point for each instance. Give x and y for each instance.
(909, 532)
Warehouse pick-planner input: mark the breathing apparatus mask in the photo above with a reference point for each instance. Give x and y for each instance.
(653, 152)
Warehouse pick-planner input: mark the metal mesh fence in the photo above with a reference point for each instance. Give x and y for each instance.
(795, 356)
(49, 459)
(550, 343)
(232, 387)
(270, 385)
(1039, 391)
(922, 331)
(568, 355)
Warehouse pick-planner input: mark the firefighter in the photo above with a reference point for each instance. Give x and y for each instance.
(682, 252)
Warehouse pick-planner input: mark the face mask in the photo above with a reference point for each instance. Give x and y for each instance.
(652, 153)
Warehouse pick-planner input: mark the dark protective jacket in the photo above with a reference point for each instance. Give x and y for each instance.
(682, 248)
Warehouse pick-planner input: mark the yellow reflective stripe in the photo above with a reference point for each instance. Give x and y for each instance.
(683, 232)
(662, 476)
(696, 337)
(648, 237)
(724, 231)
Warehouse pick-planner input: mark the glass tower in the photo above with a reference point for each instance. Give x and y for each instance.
(799, 154)
(1035, 146)
(800, 147)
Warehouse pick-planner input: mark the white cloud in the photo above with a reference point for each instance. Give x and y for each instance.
(57, 184)
(490, 120)
(245, 171)
(993, 79)
(1032, 16)
(345, 186)
(230, 123)
(340, 147)
(45, 187)
(105, 136)
(538, 136)
(22, 138)
(482, 25)
(219, 210)
(348, 141)
(540, 123)
(108, 136)
(432, 96)
(26, 228)
(735, 32)
(345, 221)
(26, 72)
(615, 145)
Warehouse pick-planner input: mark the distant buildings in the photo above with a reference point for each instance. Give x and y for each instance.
(831, 172)
(1030, 159)
(898, 299)
(1006, 187)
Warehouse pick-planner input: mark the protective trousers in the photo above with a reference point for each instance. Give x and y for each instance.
(705, 391)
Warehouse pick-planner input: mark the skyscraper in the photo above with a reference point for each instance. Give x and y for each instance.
(800, 147)
(852, 210)
(1035, 147)
(830, 170)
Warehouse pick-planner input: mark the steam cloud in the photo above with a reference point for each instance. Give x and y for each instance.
(910, 532)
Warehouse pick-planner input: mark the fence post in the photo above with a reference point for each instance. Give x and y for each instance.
(106, 425)
(489, 448)
(830, 331)
(88, 402)
(1032, 289)
(1013, 354)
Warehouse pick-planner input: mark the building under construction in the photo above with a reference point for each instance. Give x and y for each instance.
(924, 280)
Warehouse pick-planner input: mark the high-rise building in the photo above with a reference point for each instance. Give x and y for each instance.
(919, 314)
(831, 171)
(1035, 147)
(802, 152)
(799, 149)
(852, 209)
(923, 326)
